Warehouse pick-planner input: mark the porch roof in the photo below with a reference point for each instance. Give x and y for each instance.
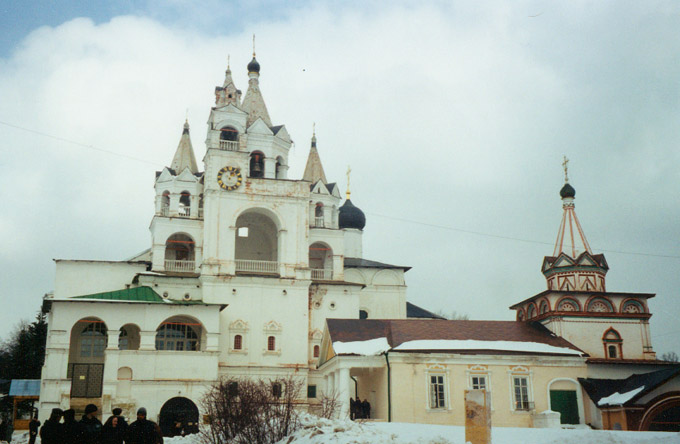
(636, 386)
(25, 387)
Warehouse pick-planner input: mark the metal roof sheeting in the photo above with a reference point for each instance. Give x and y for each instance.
(24, 387)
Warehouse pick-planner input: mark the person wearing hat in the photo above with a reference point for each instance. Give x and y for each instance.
(92, 426)
(143, 431)
(52, 432)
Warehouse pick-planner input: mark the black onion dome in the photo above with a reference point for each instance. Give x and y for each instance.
(351, 216)
(567, 191)
(254, 66)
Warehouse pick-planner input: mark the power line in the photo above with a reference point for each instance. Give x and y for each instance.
(516, 239)
(82, 145)
(427, 224)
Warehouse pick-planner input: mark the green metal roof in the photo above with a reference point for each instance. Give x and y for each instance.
(136, 294)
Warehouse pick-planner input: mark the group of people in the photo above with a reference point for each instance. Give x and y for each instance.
(359, 409)
(89, 430)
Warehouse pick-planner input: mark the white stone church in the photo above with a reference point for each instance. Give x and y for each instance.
(245, 267)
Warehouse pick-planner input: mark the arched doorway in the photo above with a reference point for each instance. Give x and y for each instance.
(565, 398)
(178, 416)
(663, 414)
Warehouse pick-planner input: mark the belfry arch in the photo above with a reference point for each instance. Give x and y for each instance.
(257, 241)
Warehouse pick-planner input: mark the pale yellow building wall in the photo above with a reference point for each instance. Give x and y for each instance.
(410, 388)
(587, 333)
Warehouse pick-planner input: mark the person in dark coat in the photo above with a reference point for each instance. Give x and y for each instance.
(143, 431)
(113, 431)
(52, 432)
(33, 427)
(92, 426)
(72, 428)
(118, 413)
(366, 409)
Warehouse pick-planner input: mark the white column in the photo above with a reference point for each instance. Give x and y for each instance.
(147, 340)
(343, 392)
(269, 168)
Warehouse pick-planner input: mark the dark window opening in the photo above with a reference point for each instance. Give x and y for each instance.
(257, 165)
(311, 391)
(612, 351)
(232, 389)
(363, 314)
(316, 351)
(228, 133)
(276, 390)
(238, 342)
(271, 343)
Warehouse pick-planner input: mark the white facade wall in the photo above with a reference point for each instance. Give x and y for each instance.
(76, 278)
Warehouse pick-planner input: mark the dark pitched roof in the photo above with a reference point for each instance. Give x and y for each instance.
(398, 331)
(413, 311)
(601, 388)
(275, 129)
(356, 262)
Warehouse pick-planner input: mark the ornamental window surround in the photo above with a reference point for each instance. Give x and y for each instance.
(613, 344)
(521, 398)
(438, 391)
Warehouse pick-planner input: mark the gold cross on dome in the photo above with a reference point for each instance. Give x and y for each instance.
(565, 163)
(349, 170)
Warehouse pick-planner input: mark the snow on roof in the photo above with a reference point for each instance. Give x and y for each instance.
(620, 398)
(455, 344)
(371, 347)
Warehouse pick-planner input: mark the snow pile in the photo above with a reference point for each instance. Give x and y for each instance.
(315, 430)
(465, 344)
(370, 347)
(321, 431)
(620, 398)
(189, 439)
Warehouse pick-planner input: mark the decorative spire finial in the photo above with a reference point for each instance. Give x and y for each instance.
(314, 129)
(565, 163)
(349, 170)
(253, 44)
(228, 62)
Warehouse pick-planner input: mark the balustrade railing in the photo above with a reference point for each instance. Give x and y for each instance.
(184, 211)
(165, 211)
(180, 266)
(322, 274)
(229, 145)
(318, 221)
(251, 266)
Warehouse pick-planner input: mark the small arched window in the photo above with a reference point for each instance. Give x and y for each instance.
(543, 307)
(238, 342)
(165, 203)
(613, 344)
(256, 164)
(276, 390)
(271, 343)
(316, 351)
(363, 314)
(531, 311)
(185, 204)
(123, 339)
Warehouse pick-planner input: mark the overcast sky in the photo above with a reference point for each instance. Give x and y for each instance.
(454, 117)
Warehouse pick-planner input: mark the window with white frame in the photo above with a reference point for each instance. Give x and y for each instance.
(437, 391)
(520, 387)
(520, 392)
(478, 382)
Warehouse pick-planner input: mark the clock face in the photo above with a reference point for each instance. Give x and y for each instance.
(229, 178)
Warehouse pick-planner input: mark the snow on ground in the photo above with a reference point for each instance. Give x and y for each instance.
(472, 344)
(370, 347)
(318, 430)
(620, 398)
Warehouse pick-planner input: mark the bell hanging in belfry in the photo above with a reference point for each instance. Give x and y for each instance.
(257, 168)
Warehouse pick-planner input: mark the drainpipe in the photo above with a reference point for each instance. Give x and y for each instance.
(356, 387)
(389, 386)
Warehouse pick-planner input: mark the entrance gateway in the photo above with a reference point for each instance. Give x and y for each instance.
(179, 416)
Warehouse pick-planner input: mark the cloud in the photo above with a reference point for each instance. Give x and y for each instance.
(451, 115)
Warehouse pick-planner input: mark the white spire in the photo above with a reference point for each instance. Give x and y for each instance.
(314, 170)
(253, 103)
(184, 156)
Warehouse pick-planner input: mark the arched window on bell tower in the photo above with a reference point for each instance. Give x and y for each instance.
(256, 164)
(613, 344)
(228, 139)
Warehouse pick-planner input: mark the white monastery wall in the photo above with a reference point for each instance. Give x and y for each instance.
(77, 278)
